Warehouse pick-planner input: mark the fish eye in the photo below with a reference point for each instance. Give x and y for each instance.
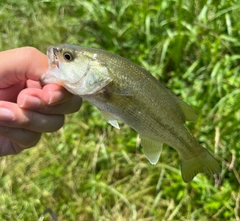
(68, 56)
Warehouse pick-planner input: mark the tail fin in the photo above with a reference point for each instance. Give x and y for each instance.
(205, 163)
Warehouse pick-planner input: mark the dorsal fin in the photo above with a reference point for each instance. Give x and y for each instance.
(188, 111)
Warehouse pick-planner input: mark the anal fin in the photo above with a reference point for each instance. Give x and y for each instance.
(152, 149)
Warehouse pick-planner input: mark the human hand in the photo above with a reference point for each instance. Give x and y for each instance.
(27, 109)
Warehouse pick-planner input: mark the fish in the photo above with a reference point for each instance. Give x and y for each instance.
(124, 91)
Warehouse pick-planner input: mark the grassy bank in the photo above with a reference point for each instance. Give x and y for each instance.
(90, 171)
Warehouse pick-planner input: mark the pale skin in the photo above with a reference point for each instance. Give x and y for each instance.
(28, 109)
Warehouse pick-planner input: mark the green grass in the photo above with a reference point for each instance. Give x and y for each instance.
(91, 171)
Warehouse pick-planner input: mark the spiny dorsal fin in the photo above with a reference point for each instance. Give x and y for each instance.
(188, 111)
(110, 119)
(152, 149)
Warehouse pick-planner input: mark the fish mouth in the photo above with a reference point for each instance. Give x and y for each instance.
(53, 66)
(52, 54)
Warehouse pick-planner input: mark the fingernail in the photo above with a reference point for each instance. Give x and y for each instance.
(30, 102)
(55, 97)
(6, 114)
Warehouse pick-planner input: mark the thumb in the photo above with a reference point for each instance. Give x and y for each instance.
(20, 64)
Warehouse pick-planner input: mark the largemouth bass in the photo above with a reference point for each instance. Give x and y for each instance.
(124, 91)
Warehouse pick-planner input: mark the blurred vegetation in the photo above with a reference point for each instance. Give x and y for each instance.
(91, 171)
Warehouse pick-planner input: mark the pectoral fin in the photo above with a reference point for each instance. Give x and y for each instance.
(188, 111)
(110, 119)
(151, 149)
